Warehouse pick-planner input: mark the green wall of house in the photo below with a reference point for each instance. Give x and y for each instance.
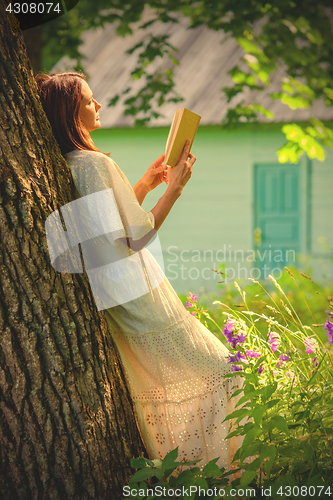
(214, 220)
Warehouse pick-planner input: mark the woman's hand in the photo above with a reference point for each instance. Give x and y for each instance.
(177, 177)
(180, 174)
(155, 175)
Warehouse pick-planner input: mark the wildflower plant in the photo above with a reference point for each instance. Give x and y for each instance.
(285, 407)
(199, 312)
(283, 411)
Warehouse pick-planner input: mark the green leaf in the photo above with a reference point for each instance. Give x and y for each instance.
(159, 473)
(268, 452)
(237, 432)
(295, 102)
(174, 61)
(253, 395)
(200, 481)
(258, 413)
(248, 46)
(187, 475)
(287, 88)
(280, 423)
(133, 49)
(142, 474)
(304, 89)
(269, 390)
(169, 459)
(250, 437)
(247, 477)
(250, 450)
(289, 153)
(239, 414)
(309, 452)
(138, 463)
(114, 100)
(211, 469)
(234, 394)
(273, 402)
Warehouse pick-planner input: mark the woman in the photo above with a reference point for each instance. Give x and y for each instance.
(173, 364)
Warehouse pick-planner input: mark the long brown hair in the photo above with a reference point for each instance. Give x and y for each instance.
(60, 95)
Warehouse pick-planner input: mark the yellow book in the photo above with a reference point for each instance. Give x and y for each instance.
(184, 126)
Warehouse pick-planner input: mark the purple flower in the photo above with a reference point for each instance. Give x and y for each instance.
(188, 305)
(236, 368)
(329, 327)
(241, 338)
(274, 341)
(228, 330)
(261, 368)
(315, 362)
(192, 298)
(311, 345)
(282, 358)
(253, 354)
(231, 359)
(236, 359)
(193, 314)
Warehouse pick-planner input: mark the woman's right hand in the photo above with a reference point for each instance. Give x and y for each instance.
(180, 174)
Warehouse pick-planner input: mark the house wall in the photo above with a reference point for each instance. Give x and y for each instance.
(213, 221)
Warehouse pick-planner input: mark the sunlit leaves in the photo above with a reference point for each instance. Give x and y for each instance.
(302, 141)
(240, 77)
(246, 113)
(318, 130)
(249, 46)
(307, 140)
(157, 83)
(294, 102)
(295, 94)
(329, 96)
(297, 36)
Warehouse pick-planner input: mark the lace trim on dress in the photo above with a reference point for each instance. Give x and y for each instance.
(185, 400)
(138, 334)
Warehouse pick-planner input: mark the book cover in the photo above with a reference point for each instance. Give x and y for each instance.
(184, 126)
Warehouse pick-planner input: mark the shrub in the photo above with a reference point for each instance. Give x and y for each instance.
(284, 411)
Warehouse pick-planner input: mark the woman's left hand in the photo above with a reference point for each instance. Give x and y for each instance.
(155, 175)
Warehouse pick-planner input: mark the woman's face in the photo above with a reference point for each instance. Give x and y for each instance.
(89, 108)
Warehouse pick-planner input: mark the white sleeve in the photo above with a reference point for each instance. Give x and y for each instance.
(94, 172)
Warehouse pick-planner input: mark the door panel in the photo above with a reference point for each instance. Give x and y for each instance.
(277, 215)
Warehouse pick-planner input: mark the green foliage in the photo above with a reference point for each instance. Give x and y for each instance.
(299, 288)
(306, 140)
(284, 410)
(295, 35)
(168, 475)
(158, 82)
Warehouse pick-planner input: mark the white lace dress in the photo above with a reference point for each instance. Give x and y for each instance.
(173, 364)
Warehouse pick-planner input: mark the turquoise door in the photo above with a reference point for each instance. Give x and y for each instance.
(277, 216)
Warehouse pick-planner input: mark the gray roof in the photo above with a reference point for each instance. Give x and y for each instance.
(205, 58)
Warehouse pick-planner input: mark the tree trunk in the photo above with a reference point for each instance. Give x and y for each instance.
(67, 428)
(34, 42)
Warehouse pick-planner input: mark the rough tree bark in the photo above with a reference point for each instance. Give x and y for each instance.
(67, 428)
(33, 42)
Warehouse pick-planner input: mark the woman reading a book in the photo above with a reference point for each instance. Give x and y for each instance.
(174, 365)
